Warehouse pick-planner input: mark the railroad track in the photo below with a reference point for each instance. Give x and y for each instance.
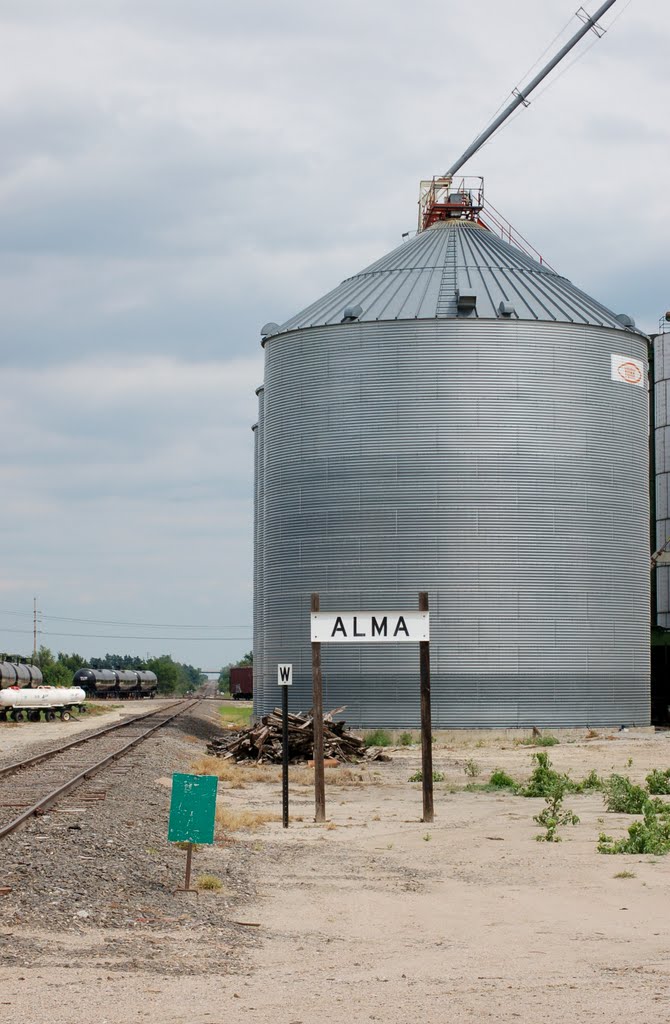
(34, 784)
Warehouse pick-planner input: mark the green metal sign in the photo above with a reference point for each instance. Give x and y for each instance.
(192, 808)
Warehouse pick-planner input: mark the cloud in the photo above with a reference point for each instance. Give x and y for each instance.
(173, 175)
(152, 531)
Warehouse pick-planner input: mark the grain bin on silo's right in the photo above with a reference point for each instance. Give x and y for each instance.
(461, 419)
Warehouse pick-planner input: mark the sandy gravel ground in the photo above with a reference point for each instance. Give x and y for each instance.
(376, 916)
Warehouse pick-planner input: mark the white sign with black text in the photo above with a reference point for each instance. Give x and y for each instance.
(370, 627)
(285, 675)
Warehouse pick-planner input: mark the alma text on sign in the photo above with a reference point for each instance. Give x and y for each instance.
(378, 627)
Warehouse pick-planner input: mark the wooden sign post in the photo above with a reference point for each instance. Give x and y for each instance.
(372, 628)
(426, 722)
(192, 814)
(317, 712)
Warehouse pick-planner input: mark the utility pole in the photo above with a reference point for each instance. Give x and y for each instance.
(34, 627)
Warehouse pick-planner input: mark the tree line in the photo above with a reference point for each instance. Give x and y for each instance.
(173, 676)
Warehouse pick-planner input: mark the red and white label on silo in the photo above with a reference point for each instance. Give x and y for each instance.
(628, 370)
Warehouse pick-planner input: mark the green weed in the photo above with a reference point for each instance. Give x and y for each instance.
(652, 835)
(623, 797)
(625, 874)
(545, 779)
(427, 838)
(554, 816)
(659, 781)
(377, 738)
(405, 739)
(498, 781)
(501, 780)
(418, 776)
(590, 783)
(472, 769)
(540, 741)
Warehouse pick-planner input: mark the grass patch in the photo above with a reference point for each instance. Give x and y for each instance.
(377, 738)
(472, 769)
(230, 820)
(236, 714)
(333, 776)
(100, 709)
(543, 781)
(418, 776)
(499, 781)
(625, 874)
(237, 776)
(539, 741)
(405, 739)
(208, 883)
(240, 774)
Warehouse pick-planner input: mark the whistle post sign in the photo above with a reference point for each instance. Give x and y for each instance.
(284, 675)
(370, 627)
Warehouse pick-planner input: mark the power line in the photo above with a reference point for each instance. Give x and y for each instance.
(123, 622)
(123, 636)
(149, 625)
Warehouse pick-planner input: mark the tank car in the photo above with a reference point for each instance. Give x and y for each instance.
(97, 682)
(148, 683)
(128, 684)
(18, 702)
(119, 684)
(19, 674)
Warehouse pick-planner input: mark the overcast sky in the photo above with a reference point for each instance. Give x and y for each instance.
(174, 174)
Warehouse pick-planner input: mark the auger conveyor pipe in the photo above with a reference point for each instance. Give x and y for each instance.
(522, 94)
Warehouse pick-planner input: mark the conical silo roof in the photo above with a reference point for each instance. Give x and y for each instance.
(423, 278)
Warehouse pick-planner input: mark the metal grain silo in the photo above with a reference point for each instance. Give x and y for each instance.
(461, 419)
(258, 641)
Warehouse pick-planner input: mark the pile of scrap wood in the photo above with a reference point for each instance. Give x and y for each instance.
(263, 742)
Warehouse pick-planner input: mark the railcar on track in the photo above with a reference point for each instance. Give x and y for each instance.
(19, 673)
(126, 684)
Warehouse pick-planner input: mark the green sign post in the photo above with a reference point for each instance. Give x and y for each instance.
(192, 813)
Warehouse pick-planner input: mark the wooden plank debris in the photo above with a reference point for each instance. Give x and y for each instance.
(262, 742)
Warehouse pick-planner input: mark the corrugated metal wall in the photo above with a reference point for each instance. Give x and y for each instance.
(662, 437)
(495, 464)
(259, 552)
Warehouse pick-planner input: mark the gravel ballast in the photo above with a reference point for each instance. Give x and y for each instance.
(99, 864)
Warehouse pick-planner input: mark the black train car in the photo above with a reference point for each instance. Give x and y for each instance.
(126, 684)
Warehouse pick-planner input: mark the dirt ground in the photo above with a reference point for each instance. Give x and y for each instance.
(375, 916)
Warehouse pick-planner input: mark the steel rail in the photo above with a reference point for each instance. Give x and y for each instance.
(16, 766)
(87, 773)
